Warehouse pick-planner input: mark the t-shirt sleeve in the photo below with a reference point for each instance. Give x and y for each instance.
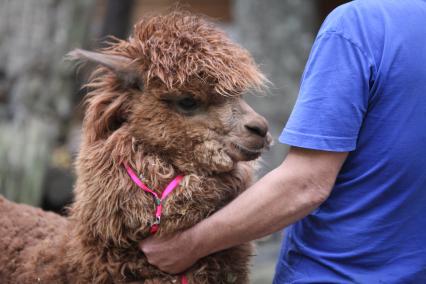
(333, 96)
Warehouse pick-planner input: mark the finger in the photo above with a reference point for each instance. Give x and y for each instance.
(144, 245)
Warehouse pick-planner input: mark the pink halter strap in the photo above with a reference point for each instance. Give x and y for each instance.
(158, 201)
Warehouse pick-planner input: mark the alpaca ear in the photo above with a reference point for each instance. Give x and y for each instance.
(120, 65)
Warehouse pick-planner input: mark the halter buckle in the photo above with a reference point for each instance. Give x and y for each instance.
(157, 221)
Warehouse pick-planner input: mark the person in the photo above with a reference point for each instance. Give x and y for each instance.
(353, 185)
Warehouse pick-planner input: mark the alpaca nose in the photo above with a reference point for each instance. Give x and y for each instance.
(258, 126)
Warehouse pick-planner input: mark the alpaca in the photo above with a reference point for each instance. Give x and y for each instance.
(165, 103)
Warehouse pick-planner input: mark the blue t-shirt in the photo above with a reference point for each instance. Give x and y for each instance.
(364, 91)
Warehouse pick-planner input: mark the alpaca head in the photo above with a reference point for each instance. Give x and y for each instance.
(176, 87)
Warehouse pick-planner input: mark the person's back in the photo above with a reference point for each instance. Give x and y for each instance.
(364, 92)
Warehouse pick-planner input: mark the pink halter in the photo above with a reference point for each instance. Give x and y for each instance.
(158, 201)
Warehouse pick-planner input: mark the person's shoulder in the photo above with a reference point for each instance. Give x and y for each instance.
(356, 13)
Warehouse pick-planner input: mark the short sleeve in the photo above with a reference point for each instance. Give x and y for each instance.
(333, 96)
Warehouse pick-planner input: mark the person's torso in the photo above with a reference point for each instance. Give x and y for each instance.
(372, 228)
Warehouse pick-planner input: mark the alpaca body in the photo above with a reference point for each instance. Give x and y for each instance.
(92, 246)
(32, 244)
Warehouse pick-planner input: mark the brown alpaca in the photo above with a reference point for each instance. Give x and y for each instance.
(167, 102)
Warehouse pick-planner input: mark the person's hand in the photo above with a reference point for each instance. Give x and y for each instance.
(172, 254)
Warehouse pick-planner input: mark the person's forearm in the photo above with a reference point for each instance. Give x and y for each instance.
(283, 196)
(275, 201)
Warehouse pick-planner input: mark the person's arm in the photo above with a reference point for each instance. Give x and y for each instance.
(288, 193)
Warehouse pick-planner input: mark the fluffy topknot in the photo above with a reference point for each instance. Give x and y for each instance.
(179, 46)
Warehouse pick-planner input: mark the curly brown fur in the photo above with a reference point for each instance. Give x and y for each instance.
(167, 101)
(176, 47)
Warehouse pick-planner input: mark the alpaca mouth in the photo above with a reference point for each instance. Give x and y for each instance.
(242, 153)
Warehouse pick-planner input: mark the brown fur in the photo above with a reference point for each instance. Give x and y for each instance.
(134, 114)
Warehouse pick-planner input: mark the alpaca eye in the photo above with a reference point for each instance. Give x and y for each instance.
(188, 104)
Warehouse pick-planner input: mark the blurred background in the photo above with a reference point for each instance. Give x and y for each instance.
(40, 94)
